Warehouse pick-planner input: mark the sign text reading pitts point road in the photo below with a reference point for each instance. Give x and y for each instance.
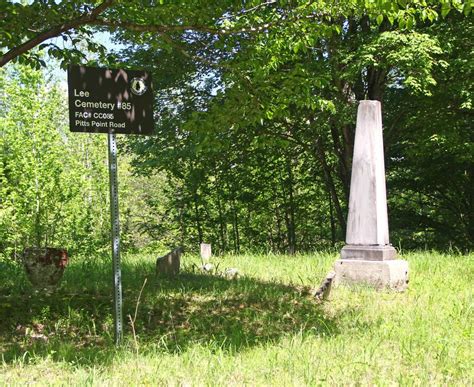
(108, 100)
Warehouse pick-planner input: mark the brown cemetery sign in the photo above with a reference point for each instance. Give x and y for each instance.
(110, 100)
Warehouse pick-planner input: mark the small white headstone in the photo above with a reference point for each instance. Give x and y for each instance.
(208, 267)
(206, 252)
(231, 273)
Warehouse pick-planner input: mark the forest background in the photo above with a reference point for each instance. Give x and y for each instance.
(255, 106)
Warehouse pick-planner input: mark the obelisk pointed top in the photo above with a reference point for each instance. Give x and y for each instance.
(367, 221)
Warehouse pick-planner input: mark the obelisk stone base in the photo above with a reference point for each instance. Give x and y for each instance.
(369, 253)
(388, 274)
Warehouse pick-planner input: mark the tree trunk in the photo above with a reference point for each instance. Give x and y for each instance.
(291, 211)
(222, 225)
(375, 83)
(198, 218)
(330, 184)
(235, 225)
(182, 225)
(332, 220)
(278, 225)
(343, 151)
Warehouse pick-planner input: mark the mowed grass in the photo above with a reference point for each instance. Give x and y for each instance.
(260, 329)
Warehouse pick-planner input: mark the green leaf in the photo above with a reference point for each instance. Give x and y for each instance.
(445, 8)
(432, 15)
(401, 23)
(467, 8)
(379, 19)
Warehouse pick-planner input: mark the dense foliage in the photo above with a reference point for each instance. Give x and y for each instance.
(54, 185)
(256, 104)
(258, 128)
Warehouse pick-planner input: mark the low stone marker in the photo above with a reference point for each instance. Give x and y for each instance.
(207, 267)
(368, 257)
(168, 265)
(206, 252)
(322, 293)
(231, 273)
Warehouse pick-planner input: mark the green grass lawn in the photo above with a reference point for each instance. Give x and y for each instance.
(256, 330)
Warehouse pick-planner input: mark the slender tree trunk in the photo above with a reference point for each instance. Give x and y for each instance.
(246, 228)
(271, 239)
(288, 236)
(469, 207)
(222, 225)
(343, 150)
(332, 220)
(375, 83)
(182, 225)
(291, 211)
(198, 218)
(288, 244)
(235, 225)
(330, 184)
(278, 225)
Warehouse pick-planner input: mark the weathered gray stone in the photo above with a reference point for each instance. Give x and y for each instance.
(322, 293)
(206, 251)
(44, 266)
(231, 273)
(391, 274)
(368, 256)
(369, 253)
(169, 264)
(207, 267)
(367, 221)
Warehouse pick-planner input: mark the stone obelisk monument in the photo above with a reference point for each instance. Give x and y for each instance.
(368, 256)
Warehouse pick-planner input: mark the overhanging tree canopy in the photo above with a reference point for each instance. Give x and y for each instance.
(27, 25)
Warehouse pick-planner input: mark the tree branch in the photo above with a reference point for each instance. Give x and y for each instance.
(54, 32)
(262, 5)
(91, 19)
(199, 28)
(153, 27)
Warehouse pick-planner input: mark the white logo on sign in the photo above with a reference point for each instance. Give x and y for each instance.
(138, 86)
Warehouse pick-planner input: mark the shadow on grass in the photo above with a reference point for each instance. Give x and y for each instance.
(75, 324)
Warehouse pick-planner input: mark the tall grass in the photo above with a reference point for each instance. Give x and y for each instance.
(257, 330)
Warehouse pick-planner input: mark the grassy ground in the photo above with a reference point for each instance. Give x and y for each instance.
(257, 330)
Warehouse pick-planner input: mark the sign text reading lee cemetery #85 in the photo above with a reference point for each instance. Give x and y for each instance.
(107, 100)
